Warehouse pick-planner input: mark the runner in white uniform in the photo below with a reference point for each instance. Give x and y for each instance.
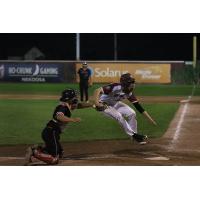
(108, 99)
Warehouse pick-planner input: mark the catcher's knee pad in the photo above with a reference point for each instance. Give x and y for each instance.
(47, 158)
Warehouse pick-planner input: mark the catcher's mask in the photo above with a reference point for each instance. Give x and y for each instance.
(69, 96)
(127, 82)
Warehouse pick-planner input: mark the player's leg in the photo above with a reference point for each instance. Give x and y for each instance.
(51, 138)
(51, 154)
(81, 90)
(128, 113)
(60, 148)
(29, 153)
(86, 92)
(114, 114)
(47, 158)
(130, 116)
(35, 154)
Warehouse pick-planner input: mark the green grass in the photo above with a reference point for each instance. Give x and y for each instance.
(197, 91)
(23, 120)
(56, 88)
(39, 88)
(165, 90)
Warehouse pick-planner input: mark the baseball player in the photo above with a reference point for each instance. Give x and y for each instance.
(85, 80)
(52, 151)
(108, 99)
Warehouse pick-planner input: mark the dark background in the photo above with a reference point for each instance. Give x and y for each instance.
(96, 46)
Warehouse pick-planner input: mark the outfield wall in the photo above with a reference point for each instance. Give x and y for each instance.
(143, 72)
(102, 71)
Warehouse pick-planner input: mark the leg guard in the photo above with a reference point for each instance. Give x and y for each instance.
(47, 158)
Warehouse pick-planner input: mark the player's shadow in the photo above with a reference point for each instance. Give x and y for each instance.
(76, 157)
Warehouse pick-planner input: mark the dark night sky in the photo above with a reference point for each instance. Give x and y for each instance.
(95, 46)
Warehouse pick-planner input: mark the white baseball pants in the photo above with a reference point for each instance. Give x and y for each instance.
(124, 115)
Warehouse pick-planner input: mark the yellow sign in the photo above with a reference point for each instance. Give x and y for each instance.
(142, 72)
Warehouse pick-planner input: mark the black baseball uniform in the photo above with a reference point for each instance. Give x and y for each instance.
(84, 76)
(53, 129)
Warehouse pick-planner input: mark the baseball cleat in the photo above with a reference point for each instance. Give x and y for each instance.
(141, 139)
(28, 155)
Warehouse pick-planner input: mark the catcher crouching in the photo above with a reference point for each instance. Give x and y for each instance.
(53, 150)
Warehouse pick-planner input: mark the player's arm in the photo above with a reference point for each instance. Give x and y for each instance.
(97, 93)
(78, 76)
(90, 80)
(140, 109)
(146, 114)
(61, 117)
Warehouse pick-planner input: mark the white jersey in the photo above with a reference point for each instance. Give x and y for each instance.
(113, 93)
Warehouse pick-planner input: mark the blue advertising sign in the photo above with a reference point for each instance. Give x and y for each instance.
(31, 72)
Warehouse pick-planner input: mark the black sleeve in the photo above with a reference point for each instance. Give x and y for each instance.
(60, 110)
(138, 107)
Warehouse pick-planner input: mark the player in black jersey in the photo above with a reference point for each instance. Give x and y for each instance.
(85, 80)
(52, 151)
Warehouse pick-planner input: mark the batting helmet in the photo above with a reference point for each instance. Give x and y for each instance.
(69, 95)
(126, 80)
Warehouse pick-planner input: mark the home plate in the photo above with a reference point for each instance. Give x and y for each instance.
(157, 158)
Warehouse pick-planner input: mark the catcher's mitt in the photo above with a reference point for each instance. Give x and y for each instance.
(101, 108)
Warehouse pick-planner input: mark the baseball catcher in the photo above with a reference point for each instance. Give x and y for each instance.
(52, 150)
(108, 99)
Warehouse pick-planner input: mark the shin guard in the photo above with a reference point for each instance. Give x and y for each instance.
(47, 158)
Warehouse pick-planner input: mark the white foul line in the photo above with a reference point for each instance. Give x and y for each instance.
(11, 158)
(179, 125)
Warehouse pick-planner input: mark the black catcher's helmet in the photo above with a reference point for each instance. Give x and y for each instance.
(126, 80)
(69, 95)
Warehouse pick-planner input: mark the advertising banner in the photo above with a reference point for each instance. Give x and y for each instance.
(31, 72)
(143, 72)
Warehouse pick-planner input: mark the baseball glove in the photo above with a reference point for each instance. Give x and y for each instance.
(101, 108)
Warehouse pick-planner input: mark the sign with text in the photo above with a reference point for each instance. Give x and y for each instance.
(31, 72)
(143, 72)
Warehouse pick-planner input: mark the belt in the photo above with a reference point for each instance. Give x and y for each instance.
(55, 120)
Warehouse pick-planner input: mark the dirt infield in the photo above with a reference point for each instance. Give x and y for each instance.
(179, 146)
